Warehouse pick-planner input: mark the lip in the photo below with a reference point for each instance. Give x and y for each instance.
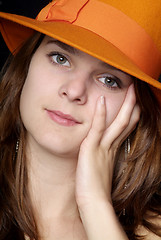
(61, 118)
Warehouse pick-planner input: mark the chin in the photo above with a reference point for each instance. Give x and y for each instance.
(58, 146)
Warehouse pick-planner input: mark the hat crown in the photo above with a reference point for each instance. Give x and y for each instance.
(147, 13)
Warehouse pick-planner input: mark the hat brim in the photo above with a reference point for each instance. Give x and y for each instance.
(16, 29)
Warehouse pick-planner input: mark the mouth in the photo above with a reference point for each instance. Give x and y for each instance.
(61, 118)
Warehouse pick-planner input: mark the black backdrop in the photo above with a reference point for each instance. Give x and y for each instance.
(29, 8)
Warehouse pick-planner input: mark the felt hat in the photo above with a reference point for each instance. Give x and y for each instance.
(125, 34)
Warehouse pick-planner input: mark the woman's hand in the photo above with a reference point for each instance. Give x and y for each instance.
(97, 154)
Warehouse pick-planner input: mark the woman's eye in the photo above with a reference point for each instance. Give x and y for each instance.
(59, 59)
(109, 81)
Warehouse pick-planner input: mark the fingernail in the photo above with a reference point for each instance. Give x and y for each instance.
(102, 100)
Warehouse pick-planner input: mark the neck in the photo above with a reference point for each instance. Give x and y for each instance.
(51, 183)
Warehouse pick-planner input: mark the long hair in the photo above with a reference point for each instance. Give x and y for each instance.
(136, 180)
(16, 215)
(137, 177)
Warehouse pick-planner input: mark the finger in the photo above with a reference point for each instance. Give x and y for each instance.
(122, 120)
(99, 122)
(131, 126)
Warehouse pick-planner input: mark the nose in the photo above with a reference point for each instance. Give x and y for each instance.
(75, 88)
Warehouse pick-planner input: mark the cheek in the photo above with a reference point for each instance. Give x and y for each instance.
(113, 106)
(26, 98)
(31, 95)
(26, 104)
(36, 87)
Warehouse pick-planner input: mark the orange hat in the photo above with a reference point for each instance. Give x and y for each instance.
(125, 34)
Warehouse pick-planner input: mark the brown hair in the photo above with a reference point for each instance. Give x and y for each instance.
(136, 180)
(16, 216)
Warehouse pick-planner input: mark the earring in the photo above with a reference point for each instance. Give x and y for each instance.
(17, 146)
(127, 151)
(16, 149)
(127, 147)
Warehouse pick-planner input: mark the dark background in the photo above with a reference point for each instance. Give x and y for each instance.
(29, 8)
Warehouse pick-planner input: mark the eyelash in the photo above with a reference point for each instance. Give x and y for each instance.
(110, 78)
(99, 79)
(57, 54)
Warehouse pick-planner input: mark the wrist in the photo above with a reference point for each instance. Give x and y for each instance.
(93, 200)
(94, 207)
(100, 221)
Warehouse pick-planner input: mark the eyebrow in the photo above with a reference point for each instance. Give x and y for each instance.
(75, 51)
(64, 46)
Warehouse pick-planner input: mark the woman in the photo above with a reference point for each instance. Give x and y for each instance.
(80, 133)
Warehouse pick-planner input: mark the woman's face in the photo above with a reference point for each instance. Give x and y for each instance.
(60, 92)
